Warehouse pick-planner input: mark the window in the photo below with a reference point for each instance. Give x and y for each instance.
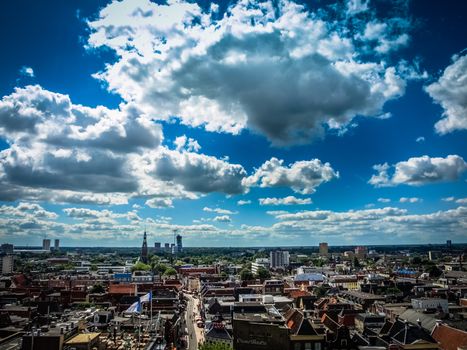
(297, 346)
(317, 346)
(307, 346)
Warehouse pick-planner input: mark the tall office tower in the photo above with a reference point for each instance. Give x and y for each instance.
(323, 249)
(179, 244)
(7, 248)
(172, 248)
(448, 244)
(6, 263)
(57, 244)
(46, 244)
(144, 250)
(279, 258)
(167, 247)
(157, 247)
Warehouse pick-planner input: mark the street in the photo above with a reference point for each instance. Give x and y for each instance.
(195, 334)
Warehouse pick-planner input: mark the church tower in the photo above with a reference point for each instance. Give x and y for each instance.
(144, 250)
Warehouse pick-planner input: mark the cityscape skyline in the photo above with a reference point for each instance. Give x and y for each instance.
(241, 123)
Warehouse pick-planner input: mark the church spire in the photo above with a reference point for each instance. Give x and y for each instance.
(144, 250)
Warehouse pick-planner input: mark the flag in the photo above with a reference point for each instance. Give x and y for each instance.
(146, 298)
(134, 308)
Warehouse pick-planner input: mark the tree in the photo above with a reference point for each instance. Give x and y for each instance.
(433, 270)
(356, 263)
(320, 291)
(262, 273)
(97, 288)
(170, 272)
(160, 268)
(393, 290)
(215, 346)
(246, 275)
(140, 266)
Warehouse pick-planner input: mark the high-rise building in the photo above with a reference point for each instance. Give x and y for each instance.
(448, 244)
(57, 244)
(157, 247)
(179, 244)
(46, 244)
(6, 263)
(323, 249)
(144, 250)
(167, 247)
(279, 258)
(7, 248)
(172, 248)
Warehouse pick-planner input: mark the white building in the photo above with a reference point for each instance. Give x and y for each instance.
(6, 264)
(279, 258)
(430, 304)
(258, 263)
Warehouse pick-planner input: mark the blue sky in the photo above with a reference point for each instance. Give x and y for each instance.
(236, 123)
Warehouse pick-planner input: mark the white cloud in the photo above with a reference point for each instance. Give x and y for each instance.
(185, 143)
(289, 200)
(159, 203)
(455, 200)
(244, 202)
(419, 171)
(394, 224)
(410, 200)
(357, 6)
(223, 218)
(450, 91)
(420, 139)
(227, 74)
(27, 71)
(219, 211)
(196, 172)
(302, 176)
(384, 200)
(68, 153)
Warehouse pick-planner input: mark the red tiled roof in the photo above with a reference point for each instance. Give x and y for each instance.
(121, 289)
(449, 338)
(294, 294)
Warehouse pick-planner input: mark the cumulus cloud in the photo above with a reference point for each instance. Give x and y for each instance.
(357, 6)
(227, 73)
(219, 211)
(420, 139)
(419, 171)
(289, 200)
(185, 143)
(197, 172)
(302, 176)
(243, 202)
(69, 153)
(394, 223)
(450, 91)
(27, 71)
(159, 202)
(455, 200)
(384, 200)
(410, 200)
(223, 218)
